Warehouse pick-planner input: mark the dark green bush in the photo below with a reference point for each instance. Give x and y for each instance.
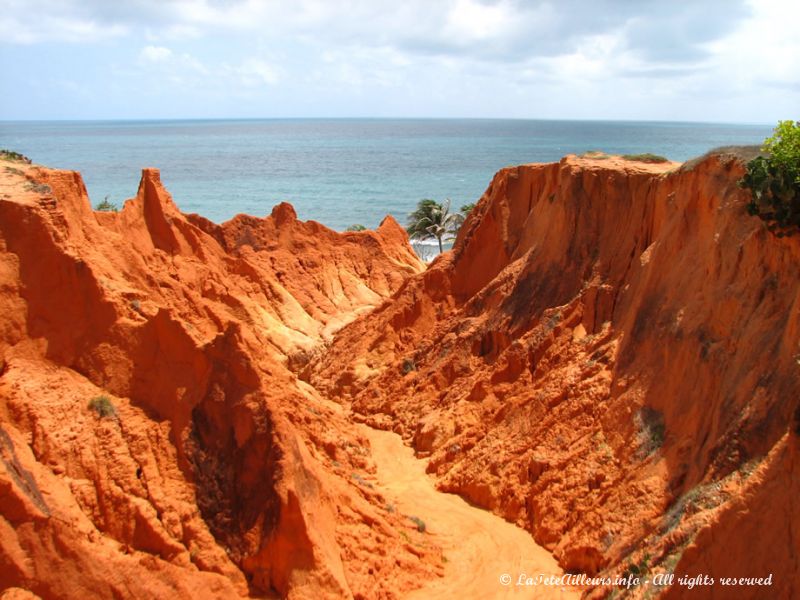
(409, 365)
(103, 406)
(647, 157)
(106, 206)
(639, 569)
(651, 430)
(419, 523)
(38, 188)
(774, 180)
(356, 227)
(14, 156)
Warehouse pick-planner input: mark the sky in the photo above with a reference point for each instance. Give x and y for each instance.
(735, 61)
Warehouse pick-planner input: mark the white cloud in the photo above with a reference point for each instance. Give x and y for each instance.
(53, 28)
(472, 21)
(172, 33)
(646, 59)
(175, 68)
(764, 50)
(155, 54)
(595, 57)
(255, 72)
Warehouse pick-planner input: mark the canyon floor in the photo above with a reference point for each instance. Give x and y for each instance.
(602, 377)
(479, 547)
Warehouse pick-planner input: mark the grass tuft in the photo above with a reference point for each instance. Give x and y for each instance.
(419, 523)
(646, 157)
(14, 156)
(103, 406)
(106, 206)
(409, 365)
(595, 155)
(38, 188)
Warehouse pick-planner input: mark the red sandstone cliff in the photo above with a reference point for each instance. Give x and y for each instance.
(610, 358)
(220, 474)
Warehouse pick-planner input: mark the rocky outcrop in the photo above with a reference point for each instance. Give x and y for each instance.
(154, 440)
(609, 358)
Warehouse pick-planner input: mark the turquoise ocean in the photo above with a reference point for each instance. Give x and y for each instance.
(336, 171)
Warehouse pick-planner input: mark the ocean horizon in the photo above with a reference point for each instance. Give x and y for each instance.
(342, 171)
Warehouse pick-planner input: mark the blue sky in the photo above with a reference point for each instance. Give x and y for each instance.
(712, 60)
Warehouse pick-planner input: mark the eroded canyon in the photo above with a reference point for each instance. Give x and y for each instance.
(608, 359)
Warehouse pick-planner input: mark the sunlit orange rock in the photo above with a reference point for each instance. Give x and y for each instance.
(608, 358)
(215, 473)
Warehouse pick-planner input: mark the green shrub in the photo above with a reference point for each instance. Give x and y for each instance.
(14, 156)
(106, 206)
(38, 188)
(409, 365)
(103, 406)
(647, 157)
(639, 569)
(356, 227)
(419, 523)
(595, 154)
(650, 430)
(774, 180)
(360, 480)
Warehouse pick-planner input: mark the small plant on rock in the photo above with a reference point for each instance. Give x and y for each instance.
(106, 206)
(419, 523)
(409, 365)
(14, 156)
(639, 569)
(651, 430)
(595, 155)
(38, 188)
(774, 180)
(646, 157)
(103, 406)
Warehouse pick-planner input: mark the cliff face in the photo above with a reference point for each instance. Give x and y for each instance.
(216, 472)
(610, 358)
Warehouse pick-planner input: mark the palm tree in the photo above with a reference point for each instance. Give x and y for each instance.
(433, 220)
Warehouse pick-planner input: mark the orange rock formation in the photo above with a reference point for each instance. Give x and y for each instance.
(610, 358)
(220, 474)
(607, 358)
